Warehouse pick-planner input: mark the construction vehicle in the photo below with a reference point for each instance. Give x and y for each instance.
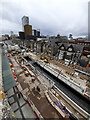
(45, 60)
(10, 64)
(26, 72)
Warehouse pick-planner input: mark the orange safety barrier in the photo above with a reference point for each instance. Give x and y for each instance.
(87, 66)
(1, 94)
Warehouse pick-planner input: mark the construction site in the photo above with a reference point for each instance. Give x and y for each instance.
(38, 87)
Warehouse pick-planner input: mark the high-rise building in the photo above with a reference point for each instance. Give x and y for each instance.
(21, 35)
(25, 21)
(89, 21)
(12, 35)
(36, 32)
(27, 30)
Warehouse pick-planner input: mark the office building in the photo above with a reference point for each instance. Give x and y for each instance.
(25, 21)
(27, 31)
(36, 32)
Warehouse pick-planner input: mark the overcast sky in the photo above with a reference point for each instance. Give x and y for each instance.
(50, 16)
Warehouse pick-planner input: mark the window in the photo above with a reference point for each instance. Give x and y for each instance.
(70, 49)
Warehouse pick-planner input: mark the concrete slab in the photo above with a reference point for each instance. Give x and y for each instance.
(18, 114)
(22, 101)
(11, 100)
(14, 106)
(10, 92)
(28, 113)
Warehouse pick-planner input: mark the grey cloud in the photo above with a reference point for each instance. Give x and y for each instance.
(51, 16)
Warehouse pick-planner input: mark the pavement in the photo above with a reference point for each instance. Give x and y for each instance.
(19, 105)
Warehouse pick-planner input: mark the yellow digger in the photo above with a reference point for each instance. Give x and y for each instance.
(45, 60)
(26, 72)
(10, 65)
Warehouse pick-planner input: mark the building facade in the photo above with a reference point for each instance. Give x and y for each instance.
(36, 32)
(27, 31)
(21, 35)
(70, 53)
(61, 52)
(25, 21)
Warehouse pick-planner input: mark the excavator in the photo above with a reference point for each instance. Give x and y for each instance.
(26, 72)
(45, 60)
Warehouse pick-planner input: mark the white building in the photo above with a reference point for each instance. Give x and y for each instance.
(36, 32)
(25, 21)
